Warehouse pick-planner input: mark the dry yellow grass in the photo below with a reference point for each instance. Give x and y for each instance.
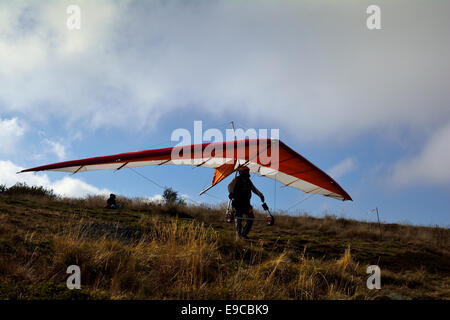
(151, 251)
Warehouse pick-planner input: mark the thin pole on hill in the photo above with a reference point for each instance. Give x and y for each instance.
(379, 224)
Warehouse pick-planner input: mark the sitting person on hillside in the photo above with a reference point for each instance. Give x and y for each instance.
(111, 202)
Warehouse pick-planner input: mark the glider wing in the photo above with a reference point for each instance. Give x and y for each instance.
(283, 164)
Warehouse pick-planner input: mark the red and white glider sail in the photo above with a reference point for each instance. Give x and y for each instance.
(265, 157)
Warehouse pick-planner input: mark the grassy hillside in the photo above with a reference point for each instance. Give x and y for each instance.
(150, 251)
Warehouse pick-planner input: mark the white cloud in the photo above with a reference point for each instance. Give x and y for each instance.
(33, 35)
(56, 148)
(312, 69)
(66, 187)
(342, 168)
(158, 198)
(430, 166)
(11, 130)
(70, 187)
(9, 177)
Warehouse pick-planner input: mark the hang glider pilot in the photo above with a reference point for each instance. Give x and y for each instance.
(240, 192)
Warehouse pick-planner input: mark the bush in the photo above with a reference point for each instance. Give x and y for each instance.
(171, 197)
(20, 189)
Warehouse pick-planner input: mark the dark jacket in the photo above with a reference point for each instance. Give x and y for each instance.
(111, 202)
(241, 189)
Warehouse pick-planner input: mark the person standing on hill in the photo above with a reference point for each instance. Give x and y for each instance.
(240, 192)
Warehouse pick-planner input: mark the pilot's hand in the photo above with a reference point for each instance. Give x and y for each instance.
(230, 196)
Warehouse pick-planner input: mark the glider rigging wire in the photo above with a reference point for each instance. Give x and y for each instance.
(297, 203)
(147, 178)
(157, 184)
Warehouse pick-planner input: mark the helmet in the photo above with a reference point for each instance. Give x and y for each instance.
(244, 169)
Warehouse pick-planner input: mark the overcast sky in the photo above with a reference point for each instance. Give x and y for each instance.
(370, 107)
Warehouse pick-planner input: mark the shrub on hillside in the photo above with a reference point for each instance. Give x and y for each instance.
(20, 189)
(171, 197)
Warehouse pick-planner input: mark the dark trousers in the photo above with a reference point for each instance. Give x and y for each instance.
(241, 211)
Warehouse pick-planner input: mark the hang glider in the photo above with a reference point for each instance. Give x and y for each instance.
(269, 158)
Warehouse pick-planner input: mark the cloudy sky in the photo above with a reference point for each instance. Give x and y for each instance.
(370, 107)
